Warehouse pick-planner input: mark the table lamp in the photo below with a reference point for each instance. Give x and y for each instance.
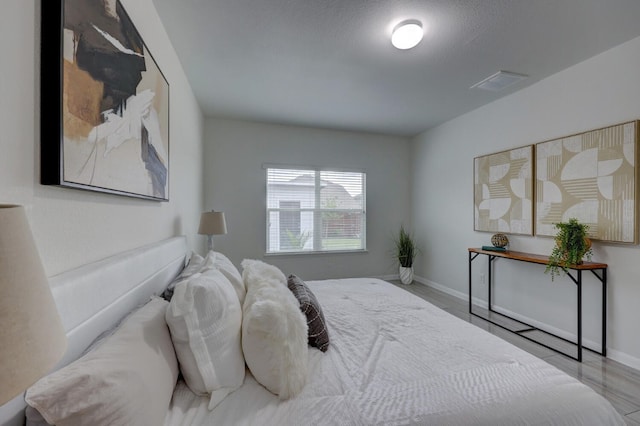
(32, 338)
(212, 223)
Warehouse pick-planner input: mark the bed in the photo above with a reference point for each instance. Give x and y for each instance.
(394, 358)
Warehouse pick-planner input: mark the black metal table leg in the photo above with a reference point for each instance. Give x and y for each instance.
(470, 293)
(604, 312)
(489, 281)
(472, 256)
(579, 283)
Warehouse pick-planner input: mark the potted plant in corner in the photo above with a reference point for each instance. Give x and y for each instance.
(405, 253)
(572, 244)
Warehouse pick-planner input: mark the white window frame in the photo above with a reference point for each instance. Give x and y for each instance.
(317, 212)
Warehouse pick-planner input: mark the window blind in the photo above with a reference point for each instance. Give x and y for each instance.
(315, 210)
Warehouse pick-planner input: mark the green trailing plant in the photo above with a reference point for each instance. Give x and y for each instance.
(572, 244)
(406, 249)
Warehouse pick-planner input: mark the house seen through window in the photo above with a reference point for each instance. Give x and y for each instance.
(315, 210)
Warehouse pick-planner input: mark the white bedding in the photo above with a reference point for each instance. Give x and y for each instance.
(395, 359)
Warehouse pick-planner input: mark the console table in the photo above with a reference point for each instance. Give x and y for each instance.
(598, 269)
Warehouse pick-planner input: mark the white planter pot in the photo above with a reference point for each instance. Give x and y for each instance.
(406, 274)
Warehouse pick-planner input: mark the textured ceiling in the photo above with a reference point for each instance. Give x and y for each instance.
(330, 63)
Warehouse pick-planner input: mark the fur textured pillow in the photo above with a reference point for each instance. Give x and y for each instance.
(274, 331)
(318, 333)
(255, 270)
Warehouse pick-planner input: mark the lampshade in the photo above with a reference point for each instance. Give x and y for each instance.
(32, 338)
(212, 223)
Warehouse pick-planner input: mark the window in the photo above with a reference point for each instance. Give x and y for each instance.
(315, 210)
(289, 224)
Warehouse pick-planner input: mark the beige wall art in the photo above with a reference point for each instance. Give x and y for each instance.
(590, 176)
(503, 191)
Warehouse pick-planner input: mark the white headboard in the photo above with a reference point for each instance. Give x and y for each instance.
(93, 298)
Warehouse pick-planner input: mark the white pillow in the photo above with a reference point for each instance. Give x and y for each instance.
(128, 379)
(196, 262)
(205, 320)
(274, 331)
(219, 261)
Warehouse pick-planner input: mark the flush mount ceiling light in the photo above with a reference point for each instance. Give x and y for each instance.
(407, 34)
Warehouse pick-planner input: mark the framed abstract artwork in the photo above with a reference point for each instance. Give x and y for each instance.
(104, 102)
(503, 191)
(592, 177)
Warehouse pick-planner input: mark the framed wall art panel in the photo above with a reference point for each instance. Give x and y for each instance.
(503, 191)
(591, 176)
(104, 102)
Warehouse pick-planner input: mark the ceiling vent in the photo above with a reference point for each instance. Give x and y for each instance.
(499, 81)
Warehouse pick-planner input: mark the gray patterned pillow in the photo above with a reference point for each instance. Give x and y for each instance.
(318, 333)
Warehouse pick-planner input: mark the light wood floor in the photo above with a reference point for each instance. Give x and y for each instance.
(616, 382)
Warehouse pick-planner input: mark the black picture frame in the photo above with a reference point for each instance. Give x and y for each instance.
(104, 103)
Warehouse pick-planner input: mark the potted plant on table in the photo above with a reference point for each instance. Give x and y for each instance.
(572, 244)
(406, 251)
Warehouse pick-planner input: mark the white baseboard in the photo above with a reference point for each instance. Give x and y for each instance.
(613, 354)
(624, 358)
(442, 288)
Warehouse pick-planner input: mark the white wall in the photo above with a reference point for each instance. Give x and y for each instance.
(235, 182)
(73, 227)
(601, 91)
